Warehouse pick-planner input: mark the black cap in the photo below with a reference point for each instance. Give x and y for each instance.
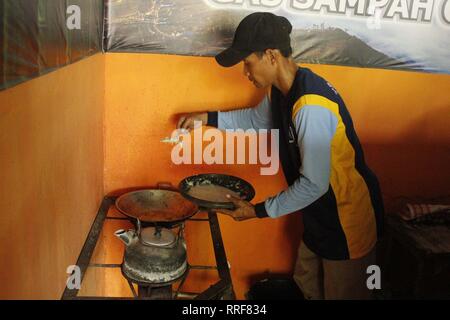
(257, 32)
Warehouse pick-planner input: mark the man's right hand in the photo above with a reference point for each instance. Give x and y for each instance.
(186, 121)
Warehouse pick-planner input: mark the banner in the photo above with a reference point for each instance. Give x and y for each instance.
(393, 34)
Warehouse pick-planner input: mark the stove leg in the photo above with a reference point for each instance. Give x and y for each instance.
(155, 293)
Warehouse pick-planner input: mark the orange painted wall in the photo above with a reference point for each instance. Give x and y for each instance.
(51, 176)
(401, 118)
(57, 160)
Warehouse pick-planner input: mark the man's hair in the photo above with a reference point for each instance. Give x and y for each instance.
(285, 52)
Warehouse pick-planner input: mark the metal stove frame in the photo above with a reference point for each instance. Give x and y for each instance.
(223, 289)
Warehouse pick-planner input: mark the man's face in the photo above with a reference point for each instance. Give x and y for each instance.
(259, 70)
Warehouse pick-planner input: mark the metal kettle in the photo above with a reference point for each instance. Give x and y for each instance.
(154, 255)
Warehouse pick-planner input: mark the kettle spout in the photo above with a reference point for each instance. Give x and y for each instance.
(125, 236)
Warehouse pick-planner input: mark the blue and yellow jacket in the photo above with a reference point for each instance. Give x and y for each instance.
(323, 164)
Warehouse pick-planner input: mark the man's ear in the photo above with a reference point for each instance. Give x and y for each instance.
(271, 55)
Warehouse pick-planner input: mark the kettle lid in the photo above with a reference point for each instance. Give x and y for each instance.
(160, 237)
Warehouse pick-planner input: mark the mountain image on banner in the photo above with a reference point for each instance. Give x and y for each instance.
(335, 46)
(191, 27)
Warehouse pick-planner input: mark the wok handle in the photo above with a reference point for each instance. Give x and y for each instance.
(232, 207)
(229, 206)
(166, 186)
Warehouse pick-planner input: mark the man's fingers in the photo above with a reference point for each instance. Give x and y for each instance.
(180, 121)
(237, 201)
(188, 123)
(185, 124)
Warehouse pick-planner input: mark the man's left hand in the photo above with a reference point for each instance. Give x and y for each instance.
(244, 209)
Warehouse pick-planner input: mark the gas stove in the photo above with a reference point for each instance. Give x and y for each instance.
(222, 289)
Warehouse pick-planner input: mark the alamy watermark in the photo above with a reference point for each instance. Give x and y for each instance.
(234, 149)
(73, 20)
(74, 279)
(374, 280)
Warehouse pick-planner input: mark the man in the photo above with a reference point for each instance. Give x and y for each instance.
(321, 157)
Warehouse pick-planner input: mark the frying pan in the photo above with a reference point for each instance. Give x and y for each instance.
(156, 206)
(238, 185)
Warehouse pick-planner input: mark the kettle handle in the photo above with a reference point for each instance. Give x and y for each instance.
(138, 224)
(180, 232)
